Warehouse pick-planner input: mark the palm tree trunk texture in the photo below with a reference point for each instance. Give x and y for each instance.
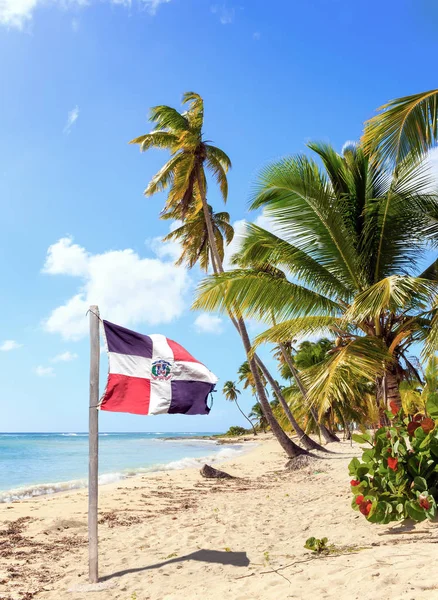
(326, 433)
(306, 440)
(292, 450)
(392, 390)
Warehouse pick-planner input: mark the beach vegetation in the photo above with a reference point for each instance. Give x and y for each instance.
(236, 430)
(316, 545)
(397, 475)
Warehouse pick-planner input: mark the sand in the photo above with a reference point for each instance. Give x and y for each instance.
(176, 536)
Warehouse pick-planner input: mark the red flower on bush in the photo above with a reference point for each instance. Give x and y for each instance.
(423, 502)
(412, 426)
(418, 417)
(394, 408)
(427, 425)
(354, 482)
(365, 507)
(392, 463)
(359, 500)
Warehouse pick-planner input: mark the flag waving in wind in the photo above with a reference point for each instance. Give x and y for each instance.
(152, 375)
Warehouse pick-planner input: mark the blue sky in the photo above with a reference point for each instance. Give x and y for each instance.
(78, 78)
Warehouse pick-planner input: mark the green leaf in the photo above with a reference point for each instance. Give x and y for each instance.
(368, 456)
(353, 466)
(361, 438)
(432, 405)
(415, 511)
(420, 484)
(361, 471)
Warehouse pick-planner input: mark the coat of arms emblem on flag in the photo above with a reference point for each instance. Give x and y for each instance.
(152, 375)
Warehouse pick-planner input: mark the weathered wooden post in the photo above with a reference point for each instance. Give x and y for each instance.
(93, 441)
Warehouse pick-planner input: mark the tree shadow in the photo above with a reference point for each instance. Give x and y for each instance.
(235, 559)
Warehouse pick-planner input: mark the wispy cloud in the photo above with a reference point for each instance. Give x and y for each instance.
(64, 357)
(72, 117)
(9, 345)
(205, 323)
(16, 14)
(41, 371)
(226, 14)
(256, 35)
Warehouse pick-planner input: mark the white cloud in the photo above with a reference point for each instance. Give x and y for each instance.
(72, 117)
(66, 258)
(225, 13)
(9, 345)
(239, 230)
(205, 323)
(256, 35)
(171, 250)
(18, 13)
(64, 357)
(127, 288)
(41, 371)
(75, 25)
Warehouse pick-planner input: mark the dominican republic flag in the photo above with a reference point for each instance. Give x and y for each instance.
(152, 375)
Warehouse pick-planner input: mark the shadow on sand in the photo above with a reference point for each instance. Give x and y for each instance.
(236, 559)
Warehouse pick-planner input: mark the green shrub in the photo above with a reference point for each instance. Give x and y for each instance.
(397, 477)
(236, 430)
(319, 546)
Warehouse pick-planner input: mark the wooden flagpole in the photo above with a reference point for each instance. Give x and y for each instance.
(93, 445)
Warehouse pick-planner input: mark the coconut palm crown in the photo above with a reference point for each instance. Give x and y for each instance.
(350, 236)
(183, 175)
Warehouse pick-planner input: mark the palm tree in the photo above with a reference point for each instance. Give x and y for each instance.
(184, 173)
(185, 179)
(257, 413)
(231, 393)
(351, 235)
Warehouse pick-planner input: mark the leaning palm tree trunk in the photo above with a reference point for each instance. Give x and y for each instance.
(327, 434)
(302, 435)
(292, 450)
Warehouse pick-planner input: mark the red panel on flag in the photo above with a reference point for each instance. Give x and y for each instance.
(180, 353)
(127, 394)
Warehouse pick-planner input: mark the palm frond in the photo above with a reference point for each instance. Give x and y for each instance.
(404, 126)
(166, 117)
(260, 246)
(335, 380)
(218, 173)
(259, 294)
(305, 209)
(165, 176)
(195, 113)
(299, 327)
(391, 294)
(157, 139)
(220, 156)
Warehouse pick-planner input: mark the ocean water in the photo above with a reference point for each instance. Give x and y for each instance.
(32, 464)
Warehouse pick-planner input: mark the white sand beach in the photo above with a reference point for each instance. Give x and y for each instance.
(175, 535)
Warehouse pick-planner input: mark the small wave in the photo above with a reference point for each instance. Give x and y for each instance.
(26, 493)
(42, 489)
(191, 441)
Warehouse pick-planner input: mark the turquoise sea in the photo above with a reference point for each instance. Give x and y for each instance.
(32, 464)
